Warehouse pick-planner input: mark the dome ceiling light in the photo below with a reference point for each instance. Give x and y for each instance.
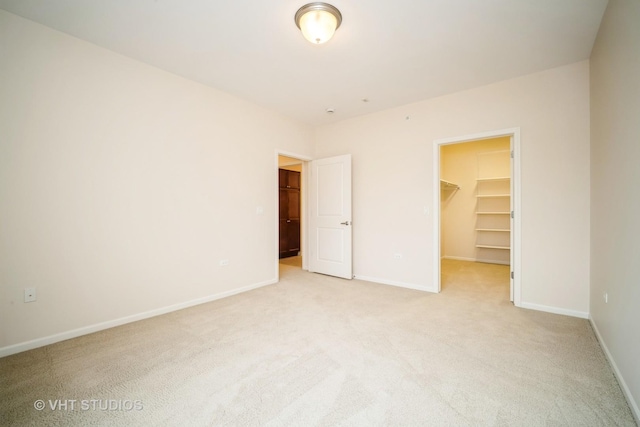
(318, 21)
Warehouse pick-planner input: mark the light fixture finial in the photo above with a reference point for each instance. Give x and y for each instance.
(318, 21)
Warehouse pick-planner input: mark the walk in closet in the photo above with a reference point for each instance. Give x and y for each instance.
(476, 201)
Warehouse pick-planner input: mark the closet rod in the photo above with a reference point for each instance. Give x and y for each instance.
(446, 184)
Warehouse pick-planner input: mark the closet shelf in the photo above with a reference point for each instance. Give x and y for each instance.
(493, 237)
(499, 178)
(447, 185)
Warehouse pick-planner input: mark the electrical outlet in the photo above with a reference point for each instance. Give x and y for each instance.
(397, 256)
(29, 294)
(224, 262)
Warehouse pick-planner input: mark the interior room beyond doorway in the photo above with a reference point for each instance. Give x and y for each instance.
(290, 211)
(475, 206)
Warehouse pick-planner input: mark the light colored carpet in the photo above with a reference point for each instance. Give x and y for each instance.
(315, 350)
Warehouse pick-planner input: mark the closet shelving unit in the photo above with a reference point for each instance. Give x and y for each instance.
(493, 224)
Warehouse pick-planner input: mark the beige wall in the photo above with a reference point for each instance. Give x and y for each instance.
(119, 187)
(460, 164)
(393, 172)
(289, 163)
(296, 168)
(615, 182)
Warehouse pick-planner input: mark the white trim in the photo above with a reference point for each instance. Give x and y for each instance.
(623, 385)
(555, 310)
(493, 261)
(436, 216)
(458, 258)
(485, 261)
(304, 203)
(74, 333)
(514, 133)
(516, 183)
(300, 157)
(396, 283)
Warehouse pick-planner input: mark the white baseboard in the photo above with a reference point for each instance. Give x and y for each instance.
(493, 261)
(396, 283)
(555, 310)
(51, 339)
(623, 385)
(486, 261)
(459, 258)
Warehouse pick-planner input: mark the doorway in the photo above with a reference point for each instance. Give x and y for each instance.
(291, 195)
(476, 205)
(289, 203)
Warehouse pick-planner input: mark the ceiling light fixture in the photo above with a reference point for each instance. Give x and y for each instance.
(318, 21)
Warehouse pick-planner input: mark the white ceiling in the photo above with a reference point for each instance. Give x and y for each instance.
(391, 52)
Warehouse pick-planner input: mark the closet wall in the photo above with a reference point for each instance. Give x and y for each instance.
(471, 166)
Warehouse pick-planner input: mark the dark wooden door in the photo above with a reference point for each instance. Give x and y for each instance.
(289, 179)
(289, 213)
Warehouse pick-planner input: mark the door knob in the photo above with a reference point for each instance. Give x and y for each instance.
(345, 223)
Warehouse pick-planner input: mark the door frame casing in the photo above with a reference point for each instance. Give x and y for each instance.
(516, 256)
(304, 222)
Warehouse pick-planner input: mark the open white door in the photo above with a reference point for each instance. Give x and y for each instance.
(330, 217)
